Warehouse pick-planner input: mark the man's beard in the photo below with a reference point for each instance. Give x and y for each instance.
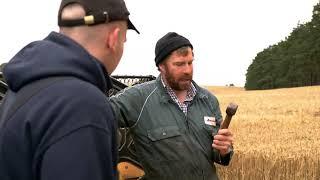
(179, 84)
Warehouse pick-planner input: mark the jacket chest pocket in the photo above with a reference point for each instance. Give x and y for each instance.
(166, 142)
(163, 133)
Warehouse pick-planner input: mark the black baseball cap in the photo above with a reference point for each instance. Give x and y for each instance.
(97, 12)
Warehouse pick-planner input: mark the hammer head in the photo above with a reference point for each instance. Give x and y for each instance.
(231, 109)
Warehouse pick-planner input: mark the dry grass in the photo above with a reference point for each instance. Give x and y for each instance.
(276, 132)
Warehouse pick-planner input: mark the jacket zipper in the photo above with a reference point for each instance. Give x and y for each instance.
(186, 118)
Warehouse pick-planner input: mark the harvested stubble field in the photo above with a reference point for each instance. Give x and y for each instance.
(276, 133)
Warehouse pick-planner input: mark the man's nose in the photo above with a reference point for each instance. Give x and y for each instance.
(188, 68)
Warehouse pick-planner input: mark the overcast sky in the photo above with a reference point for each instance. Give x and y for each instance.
(226, 34)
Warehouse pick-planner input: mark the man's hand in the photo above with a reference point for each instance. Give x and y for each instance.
(222, 141)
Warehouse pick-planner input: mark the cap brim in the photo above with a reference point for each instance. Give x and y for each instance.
(131, 26)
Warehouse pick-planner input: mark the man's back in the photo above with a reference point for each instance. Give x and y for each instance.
(63, 128)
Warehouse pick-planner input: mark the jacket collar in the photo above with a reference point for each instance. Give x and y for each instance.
(165, 98)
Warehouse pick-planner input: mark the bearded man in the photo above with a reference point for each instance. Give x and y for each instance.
(175, 124)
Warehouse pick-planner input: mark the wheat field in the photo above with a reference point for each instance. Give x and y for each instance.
(276, 133)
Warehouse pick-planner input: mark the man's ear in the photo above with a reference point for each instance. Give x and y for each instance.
(113, 38)
(161, 67)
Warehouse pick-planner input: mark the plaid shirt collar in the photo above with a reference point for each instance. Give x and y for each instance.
(191, 92)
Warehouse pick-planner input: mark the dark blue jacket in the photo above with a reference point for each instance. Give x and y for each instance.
(66, 130)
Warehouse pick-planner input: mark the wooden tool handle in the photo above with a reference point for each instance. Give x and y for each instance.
(230, 111)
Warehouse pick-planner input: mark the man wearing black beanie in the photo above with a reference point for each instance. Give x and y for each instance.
(174, 122)
(168, 43)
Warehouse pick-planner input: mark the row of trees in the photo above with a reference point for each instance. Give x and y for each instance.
(290, 63)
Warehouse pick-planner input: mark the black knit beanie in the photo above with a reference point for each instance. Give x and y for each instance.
(167, 44)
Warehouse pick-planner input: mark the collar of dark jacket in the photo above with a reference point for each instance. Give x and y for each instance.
(165, 97)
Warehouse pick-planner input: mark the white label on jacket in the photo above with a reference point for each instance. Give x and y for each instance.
(210, 120)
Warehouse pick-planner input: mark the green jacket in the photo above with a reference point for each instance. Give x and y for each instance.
(169, 144)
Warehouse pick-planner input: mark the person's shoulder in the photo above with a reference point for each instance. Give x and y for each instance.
(202, 90)
(81, 99)
(76, 90)
(146, 86)
(140, 89)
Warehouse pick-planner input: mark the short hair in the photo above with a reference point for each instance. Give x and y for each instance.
(182, 51)
(73, 11)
